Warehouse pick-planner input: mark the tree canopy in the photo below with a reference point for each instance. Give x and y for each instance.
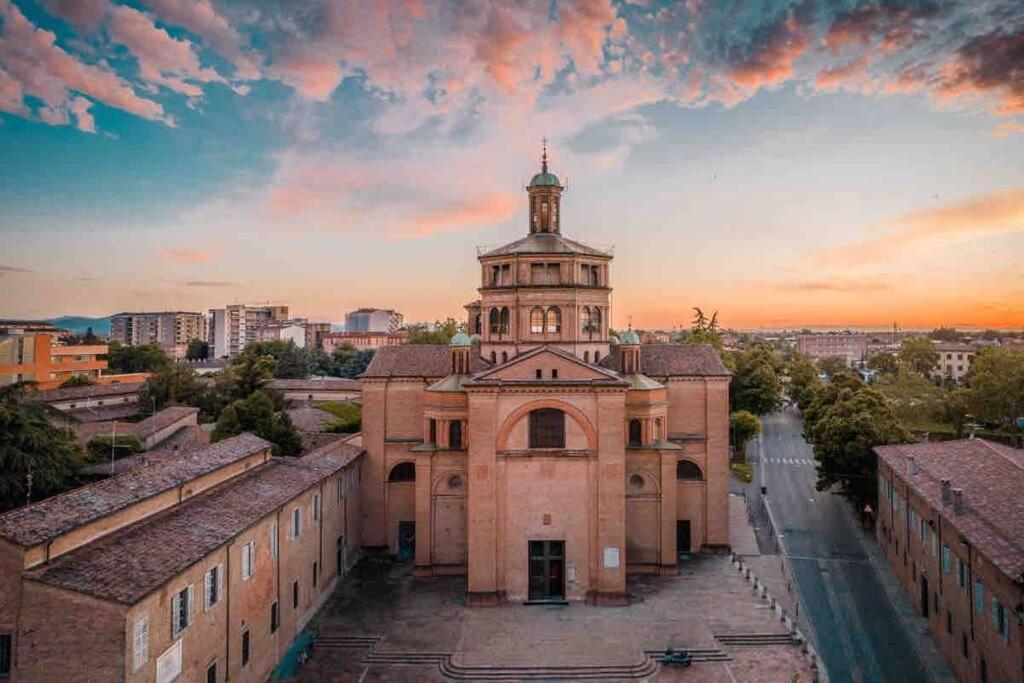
(743, 426)
(884, 363)
(345, 361)
(996, 386)
(918, 354)
(32, 446)
(122, 358)
(442, 333)
(803, 380)
(755, 385)
(197, 350)
(832, 365)
(704, 330)
(78, 381)
(258, 415)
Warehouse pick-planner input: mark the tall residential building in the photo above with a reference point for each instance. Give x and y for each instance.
(236, 325)
(950, 523)
(373, 320)
(955, 360)
(171, 330)
(200, 567)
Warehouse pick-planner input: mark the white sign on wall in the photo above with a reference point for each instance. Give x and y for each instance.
(611, 558)
(570, 572)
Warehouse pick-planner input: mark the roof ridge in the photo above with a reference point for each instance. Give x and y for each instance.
(992, 446)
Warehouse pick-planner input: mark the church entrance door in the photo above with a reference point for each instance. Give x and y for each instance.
(547, 571)
(683, 537)
(406, 540)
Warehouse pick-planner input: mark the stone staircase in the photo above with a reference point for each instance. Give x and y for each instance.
(345, 642)
(757, 639)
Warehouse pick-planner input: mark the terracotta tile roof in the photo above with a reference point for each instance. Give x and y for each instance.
(91, 391)
(129, 564)
(546, 243)
(104, 413)
(417, 360)
(47, 519)
(991, 476)
(141, 429)
(605, 376)
(185, 440)
(322, 384)
(666, 360)
(309, 419)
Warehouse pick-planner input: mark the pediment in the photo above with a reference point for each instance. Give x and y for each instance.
(554, 364)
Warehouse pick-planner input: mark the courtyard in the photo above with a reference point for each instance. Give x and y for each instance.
(383, 624)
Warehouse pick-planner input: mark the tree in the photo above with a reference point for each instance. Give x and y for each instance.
(169, 386)
(743, 426)
(442, 333)
(884, 363)
(250, 371)
(755, 386)
(291, 362)
(704, 330)
(99, 446)
(257, 414)
(832, 365)
(949, 334)
(32, 446)
(803, 380)
(197, 350)
(844, 422)
(956, 407)
(350, 416)
(919, 354)
(996, 386)
(77, 381)
(90, 337)
(144, 358)
(914, 400)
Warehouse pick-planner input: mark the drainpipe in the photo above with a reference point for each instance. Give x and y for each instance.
(227, 616)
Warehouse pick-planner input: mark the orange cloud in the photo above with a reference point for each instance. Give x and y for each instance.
(185, 255)
(835, 77)
(998, 212)
(475, 213)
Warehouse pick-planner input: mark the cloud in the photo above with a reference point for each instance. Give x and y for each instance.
(200, 17)
(843, 75)
(33, 65)
(473, 213)
(992, 63)
(14, 269)
(995, 213)
(770, 57)
(835, 285)
(185, 255)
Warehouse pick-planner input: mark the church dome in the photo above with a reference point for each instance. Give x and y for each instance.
(544, 178)
(461, 339)
(629, 337)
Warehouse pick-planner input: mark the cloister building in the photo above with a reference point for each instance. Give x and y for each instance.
(537, 458)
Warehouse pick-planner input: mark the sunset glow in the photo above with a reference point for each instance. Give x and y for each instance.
(787, 164)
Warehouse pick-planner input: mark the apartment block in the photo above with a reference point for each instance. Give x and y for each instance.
(373, 320)
(950, 521)
(34, 357)
(202, 567)
(236, 325)
(954, 362)
(172, 330)
(363, 340)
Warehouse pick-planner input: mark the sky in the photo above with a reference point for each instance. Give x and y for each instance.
(843, 163)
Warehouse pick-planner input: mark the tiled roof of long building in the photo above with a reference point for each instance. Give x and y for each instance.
(666, 360)
(417, 360)
(129, 564)
(991, 477)
(48, 519)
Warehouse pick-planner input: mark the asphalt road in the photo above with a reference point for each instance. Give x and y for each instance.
(857, 632)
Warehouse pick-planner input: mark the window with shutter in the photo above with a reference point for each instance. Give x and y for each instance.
(168, 666)
(296, 523)
(273, 539)
(316, 506)
(140, 642)
(181, 609)
(245, 647)
(979, 597)
(248, 559)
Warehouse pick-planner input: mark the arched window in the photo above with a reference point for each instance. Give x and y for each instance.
(595, 322)
(537, 320)
(504, 356)
(688, 471)
(433, 431)
(455, 435)
(586, 356)
(547, 428)
(494, 357)
(495, 320)
(504, 321)
(658, 436)
(554, 319)
(636, 437)
(477, 324)
(585, 318)
(597, 357)
(403, 471)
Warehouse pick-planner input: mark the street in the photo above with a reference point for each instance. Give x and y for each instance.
(857, 631)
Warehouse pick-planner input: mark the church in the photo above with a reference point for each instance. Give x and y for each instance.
(537, 458)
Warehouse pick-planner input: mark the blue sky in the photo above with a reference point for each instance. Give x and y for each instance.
(787, 163)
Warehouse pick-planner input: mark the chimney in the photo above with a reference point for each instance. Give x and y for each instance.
(947, 494)
(911, 465)
(958, 501)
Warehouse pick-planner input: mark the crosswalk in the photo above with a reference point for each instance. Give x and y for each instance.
(799, 462)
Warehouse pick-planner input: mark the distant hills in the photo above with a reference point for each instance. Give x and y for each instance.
(79, 324)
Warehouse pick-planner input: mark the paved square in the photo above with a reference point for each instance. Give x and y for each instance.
(383, 624)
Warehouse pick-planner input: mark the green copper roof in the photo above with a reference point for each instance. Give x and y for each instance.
(544, 179)
(629, 337)
(461, 339)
